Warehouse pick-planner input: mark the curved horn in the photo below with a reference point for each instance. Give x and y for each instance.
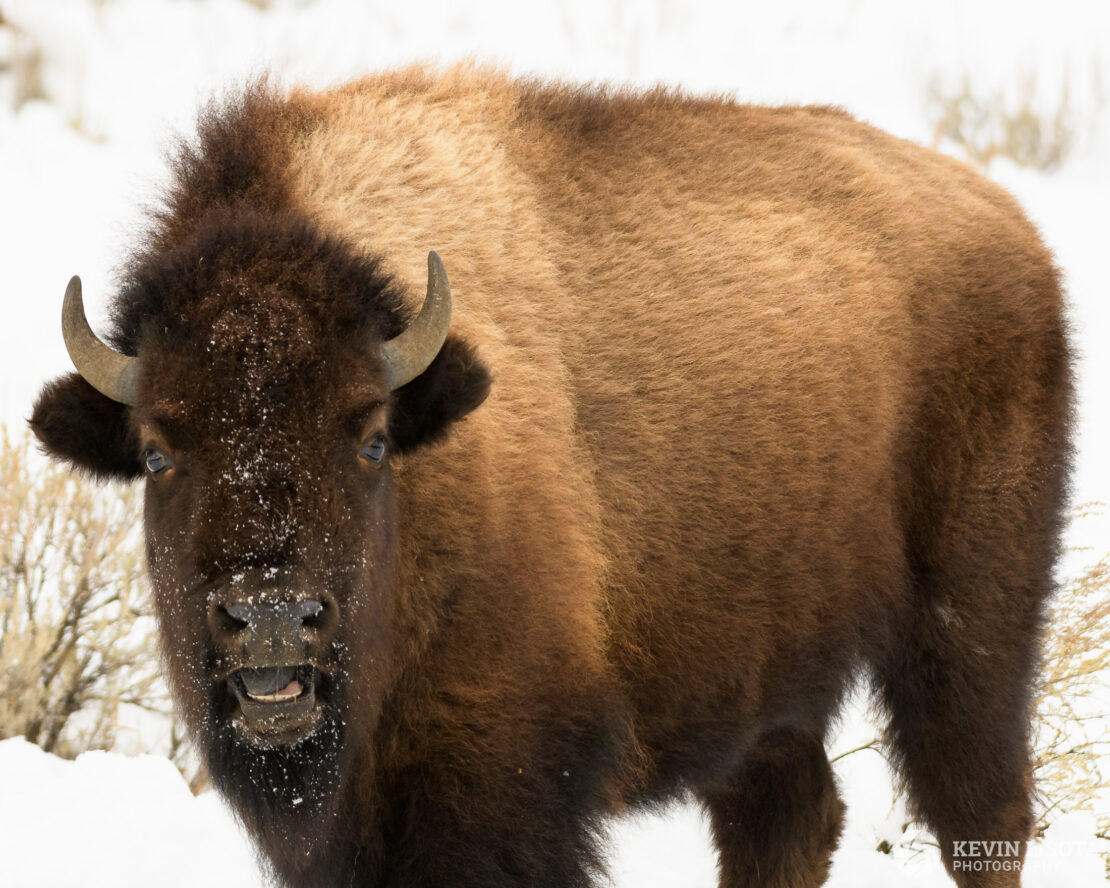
(105, 369)
(408, 354)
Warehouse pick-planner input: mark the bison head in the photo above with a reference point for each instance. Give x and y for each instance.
(263, 377)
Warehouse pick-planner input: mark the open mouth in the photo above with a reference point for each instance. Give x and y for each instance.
(276, 700)
(273, 684)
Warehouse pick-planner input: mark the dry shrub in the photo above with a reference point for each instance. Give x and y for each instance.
(76, 638)
(1073, 697)
(25, 64)
(989, 125)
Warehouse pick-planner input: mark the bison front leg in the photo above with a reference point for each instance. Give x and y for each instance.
(509, 800)
(776, 824)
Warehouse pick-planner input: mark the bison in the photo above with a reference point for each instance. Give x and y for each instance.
(723, 408)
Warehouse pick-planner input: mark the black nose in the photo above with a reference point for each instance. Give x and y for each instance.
(273, 633)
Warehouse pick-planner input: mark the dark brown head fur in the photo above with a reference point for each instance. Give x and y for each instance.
(267, 380)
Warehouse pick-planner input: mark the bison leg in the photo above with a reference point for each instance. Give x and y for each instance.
(957, 671)
(778, 821)
(498, 801)
(982, 524)
(958, 698)
(956, 676)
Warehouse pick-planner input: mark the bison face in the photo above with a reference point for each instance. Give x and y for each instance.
(271, 546)
(264, 405)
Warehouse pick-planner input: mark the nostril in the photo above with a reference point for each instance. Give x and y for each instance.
(308, 612)
(239, 613)
(231, 620)
(321, 619)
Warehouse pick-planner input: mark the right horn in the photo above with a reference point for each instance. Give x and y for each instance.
(409, 353)
(112, 374)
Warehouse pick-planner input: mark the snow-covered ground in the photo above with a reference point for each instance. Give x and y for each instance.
(122, 76)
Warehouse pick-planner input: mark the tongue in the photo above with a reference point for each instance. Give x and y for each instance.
(291, 689)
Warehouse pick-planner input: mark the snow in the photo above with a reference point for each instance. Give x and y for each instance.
(124, 75)
(108, 819)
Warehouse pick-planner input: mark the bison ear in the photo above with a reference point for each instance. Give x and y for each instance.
(454, 384)
(77, 424)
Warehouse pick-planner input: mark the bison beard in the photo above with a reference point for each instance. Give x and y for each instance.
(285, 792)
(737, 405)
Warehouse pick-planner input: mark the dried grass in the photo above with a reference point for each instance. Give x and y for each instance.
(76, 638)
(25, 65)
(995, 124)
(1072, 740)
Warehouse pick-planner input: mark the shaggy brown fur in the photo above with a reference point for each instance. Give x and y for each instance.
(776, 399)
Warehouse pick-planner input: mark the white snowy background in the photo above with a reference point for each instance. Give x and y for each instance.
(121, 77)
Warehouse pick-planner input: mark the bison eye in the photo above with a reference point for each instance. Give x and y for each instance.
(372, 449)
(156, 461)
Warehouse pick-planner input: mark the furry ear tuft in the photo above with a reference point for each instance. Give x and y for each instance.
(454, 384)
(77, 424)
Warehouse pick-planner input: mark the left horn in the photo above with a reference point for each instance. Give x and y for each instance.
(408, 354)
(105, 369)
